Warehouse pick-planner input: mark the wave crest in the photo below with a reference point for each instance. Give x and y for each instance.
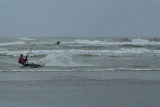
(12, 43)
(26, 39)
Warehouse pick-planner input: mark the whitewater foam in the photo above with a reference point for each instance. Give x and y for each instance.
(121, 51)
(89, 42)
(26, 39)
(132, 42)
(12, 43)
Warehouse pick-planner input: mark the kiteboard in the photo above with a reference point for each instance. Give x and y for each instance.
(32, 65)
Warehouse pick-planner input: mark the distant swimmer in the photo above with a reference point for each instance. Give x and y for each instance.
(58, 43)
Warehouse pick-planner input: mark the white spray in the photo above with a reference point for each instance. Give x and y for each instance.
(57, 59)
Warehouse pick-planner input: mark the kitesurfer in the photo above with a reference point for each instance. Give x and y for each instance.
(22, 60)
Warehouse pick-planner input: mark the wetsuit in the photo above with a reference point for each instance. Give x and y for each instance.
(22, 60)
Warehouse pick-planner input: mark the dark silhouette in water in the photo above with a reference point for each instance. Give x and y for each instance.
(58, 43)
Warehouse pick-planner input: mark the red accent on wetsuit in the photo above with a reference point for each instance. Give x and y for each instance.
(21, 60)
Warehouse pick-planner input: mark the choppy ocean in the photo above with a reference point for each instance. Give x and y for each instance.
(82, 54)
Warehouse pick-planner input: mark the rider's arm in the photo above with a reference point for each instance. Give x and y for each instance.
(26, 58)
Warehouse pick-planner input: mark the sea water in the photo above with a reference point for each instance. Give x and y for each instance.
(88, 72)
(81, 54)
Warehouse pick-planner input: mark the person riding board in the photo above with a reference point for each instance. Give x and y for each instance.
(58, 42)
(22, 60)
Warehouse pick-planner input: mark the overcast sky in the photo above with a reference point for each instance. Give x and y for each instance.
(80, 18)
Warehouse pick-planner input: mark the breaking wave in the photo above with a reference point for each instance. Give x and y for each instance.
(12, 43)
(86, 42)
(131, 42)
(121, 51)
(26, 39)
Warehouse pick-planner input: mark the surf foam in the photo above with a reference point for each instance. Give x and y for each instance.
(26, 39)
(70, 52)
(132, 42)
(12, 43)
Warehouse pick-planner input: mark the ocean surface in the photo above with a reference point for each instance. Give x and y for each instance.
(82, 54)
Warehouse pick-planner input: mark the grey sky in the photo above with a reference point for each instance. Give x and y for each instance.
(80, 18)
